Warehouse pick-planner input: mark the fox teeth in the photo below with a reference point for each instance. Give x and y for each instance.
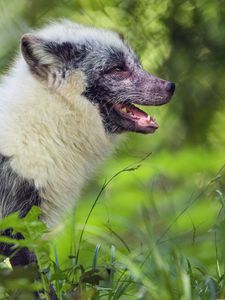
(148, 118)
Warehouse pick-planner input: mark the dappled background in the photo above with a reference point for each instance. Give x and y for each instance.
(169, 207)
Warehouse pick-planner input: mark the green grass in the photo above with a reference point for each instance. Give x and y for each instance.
(161, 239)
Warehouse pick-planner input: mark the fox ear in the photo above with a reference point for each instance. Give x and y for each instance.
(36, 54)
(45, 57)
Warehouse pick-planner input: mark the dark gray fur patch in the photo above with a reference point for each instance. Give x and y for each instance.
(68, 53)
(16, 193)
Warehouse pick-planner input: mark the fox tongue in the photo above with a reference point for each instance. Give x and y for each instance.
(147, 121)
(137, 115)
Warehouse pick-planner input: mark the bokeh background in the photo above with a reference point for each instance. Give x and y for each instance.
(174, 201)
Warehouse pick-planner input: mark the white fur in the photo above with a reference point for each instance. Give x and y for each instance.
(76, 33)
(54, 136)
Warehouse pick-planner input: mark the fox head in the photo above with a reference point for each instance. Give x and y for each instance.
(108, 71)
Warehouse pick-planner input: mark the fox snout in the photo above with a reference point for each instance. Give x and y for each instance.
(151, 90)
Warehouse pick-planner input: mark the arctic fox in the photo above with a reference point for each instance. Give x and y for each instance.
(69, 95)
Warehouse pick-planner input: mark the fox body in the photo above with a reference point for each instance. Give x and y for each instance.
(63, 105)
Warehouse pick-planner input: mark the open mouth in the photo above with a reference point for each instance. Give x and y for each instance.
(134, 119)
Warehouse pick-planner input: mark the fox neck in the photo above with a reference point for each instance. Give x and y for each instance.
(54, 140)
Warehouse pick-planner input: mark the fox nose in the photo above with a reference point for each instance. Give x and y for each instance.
(170, 87)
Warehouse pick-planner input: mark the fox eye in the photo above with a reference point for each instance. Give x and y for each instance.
(118, 69)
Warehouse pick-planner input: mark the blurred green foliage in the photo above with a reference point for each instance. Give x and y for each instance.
(166, 219)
